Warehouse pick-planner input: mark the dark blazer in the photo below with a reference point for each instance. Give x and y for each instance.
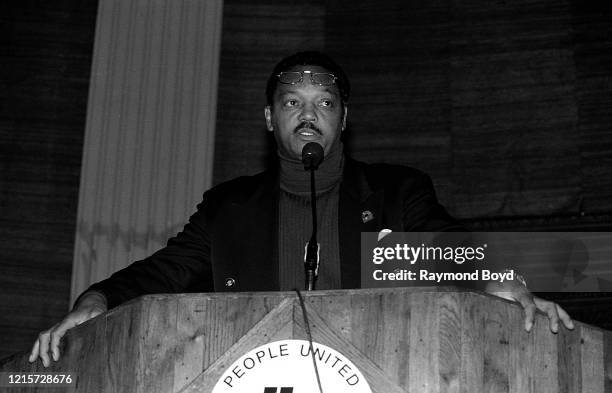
(233, 234)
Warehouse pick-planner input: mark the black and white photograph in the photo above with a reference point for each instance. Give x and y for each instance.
(233, 196)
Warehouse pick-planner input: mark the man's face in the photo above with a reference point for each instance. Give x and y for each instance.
(305, 112)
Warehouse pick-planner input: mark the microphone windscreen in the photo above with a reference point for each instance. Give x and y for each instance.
(312, 155)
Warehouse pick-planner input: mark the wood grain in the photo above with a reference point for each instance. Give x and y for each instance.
(189, 350)
(446, 340)
(267, 329)
(496, 350)
(569, 361)
(607, 361)
(545, 353)
(473, 309)
(157, 345)
(449, 317)
(325, 334)
(521, 348)
(592, 362)
(424, 367)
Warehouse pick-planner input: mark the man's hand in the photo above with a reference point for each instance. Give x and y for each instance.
(515, 291)
(90, 305)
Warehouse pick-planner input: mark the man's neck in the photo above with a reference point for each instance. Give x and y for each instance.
(295, 180)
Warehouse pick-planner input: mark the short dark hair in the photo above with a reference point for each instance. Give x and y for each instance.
(308, 58)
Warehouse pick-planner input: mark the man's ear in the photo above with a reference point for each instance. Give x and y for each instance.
(268, 115)
(344, 117)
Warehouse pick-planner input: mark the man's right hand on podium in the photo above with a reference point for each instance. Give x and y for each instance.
(90, 305)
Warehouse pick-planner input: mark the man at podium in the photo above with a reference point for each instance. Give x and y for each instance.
(250, 233)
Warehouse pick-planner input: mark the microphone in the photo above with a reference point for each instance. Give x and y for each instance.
(312, 156)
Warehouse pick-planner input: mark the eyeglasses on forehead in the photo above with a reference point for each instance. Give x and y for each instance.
(317, 78)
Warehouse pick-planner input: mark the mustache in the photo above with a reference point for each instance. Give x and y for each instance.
(307, 125)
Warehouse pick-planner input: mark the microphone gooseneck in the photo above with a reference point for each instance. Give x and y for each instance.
(312, 156)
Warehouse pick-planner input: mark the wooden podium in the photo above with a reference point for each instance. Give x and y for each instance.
(402, 340)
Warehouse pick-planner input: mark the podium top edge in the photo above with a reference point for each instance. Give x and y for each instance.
(317, 293)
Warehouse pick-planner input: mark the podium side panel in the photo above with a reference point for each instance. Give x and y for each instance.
(592, 357)
(568, 361)
(544, 361)
(608, 361)
(157, 343)
(393, 352)
(449, 355)
(118, 369)
(496, 349)
(522, 352)
(189, 352)
(424, 369)
(472, 343)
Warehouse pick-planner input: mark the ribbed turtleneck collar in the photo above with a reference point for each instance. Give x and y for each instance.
(295, 180)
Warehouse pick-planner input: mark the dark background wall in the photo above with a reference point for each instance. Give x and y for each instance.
(505, 104)
(45, 60)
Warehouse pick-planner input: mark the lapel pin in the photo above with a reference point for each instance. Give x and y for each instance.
(230, 282)
(367, 216)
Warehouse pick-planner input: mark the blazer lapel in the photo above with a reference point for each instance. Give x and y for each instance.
(252, 242)
(252, 257)
(360, 210)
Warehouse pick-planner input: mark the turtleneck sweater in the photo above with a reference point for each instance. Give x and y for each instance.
(295, 220)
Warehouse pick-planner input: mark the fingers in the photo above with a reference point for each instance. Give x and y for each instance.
(551, 310)
(555, 314)
(565, 318)
(43, 347)
(49, 340)
(529, 308)
(34, 353)
(56, 336)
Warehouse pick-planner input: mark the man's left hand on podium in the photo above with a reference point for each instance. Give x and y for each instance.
(516, 291)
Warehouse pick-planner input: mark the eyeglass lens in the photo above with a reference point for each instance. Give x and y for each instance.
(319, 78)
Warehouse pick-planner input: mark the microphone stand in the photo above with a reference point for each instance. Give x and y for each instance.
(311, 258)
(312, 156)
